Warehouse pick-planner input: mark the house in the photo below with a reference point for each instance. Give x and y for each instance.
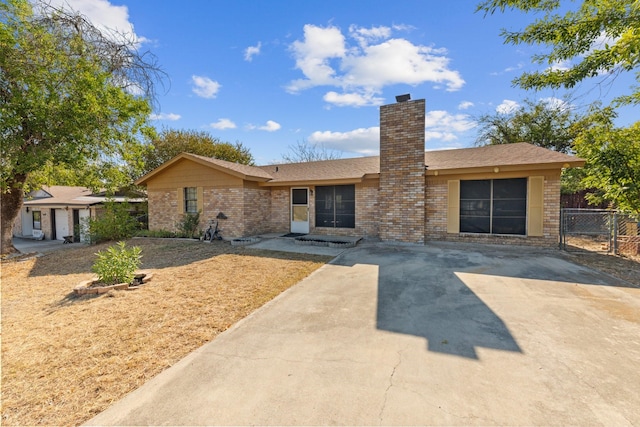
(500, 193)
(56, 212)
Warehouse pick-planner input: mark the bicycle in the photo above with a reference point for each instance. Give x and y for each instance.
(213, 232)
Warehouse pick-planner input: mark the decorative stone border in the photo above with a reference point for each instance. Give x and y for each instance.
(305, 241)
(245, 241)
(84, 288)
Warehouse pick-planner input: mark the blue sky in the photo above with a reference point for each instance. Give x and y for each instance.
(274, 73)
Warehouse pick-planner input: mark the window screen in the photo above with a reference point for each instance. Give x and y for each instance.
(190, 200)
(497, 206)
(336, 206)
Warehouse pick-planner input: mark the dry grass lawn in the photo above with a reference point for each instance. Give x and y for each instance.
(67, 358)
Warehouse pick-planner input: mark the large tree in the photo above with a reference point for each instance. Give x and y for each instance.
(70, 96)
(305, 151)
(592, 38)
(613, 161)
(171, 142)
(547, 123)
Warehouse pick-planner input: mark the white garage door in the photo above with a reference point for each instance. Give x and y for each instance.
(62, 223)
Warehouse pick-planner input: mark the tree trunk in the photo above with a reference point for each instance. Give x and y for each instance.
(10, 205)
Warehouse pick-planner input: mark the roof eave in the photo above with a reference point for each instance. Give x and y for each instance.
(143, 180)
(313, 182)
(506, 168)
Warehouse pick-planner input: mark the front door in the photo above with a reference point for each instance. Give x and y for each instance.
(300, 210)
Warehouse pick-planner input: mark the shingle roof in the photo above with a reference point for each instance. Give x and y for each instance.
(246, 170)
(60, 195)
(326, 170)
(355, 169)
(520, 154)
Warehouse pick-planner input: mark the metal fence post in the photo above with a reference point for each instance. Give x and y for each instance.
(615, 233)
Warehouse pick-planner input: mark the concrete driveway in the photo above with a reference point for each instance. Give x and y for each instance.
(41, 246)
(405, 335)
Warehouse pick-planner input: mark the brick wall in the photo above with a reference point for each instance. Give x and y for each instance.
(436, 212)
(229, 201)
(402, 179)
(279, 218)
(257, 209)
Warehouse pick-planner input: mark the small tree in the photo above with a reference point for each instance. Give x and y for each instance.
(612, 162)
(188, 225)
(117, 264)
(114, 223)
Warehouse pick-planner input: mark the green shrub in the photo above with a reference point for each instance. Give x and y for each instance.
(114, 223)
(188, 225)
(155, 233)
(117, 264)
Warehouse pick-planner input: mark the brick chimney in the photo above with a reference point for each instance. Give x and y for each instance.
(402, 171)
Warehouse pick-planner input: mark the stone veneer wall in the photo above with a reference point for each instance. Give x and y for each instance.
(402, 179)
(436, 212)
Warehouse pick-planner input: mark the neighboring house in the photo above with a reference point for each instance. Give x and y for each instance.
(55, 212)
(500, 193)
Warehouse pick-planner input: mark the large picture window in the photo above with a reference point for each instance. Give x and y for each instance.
(336, 206)
(190, 200)
(494, 206)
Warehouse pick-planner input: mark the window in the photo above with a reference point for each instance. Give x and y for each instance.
(336, 206)
(37, 220)
(494, 206)
(190, 200)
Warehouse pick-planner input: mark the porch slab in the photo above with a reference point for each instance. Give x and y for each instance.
(275, 242)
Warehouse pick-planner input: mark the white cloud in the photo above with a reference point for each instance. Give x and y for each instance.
(507, 107)
(222, 124)
(508, 69)
(441, 136)
(271, 126)
(112, 19)
(560, 66)
(464, 105)
(204, 87)
(365, 67)
(364, 36)
(251, 51)
(352, 99)
(557, 103)
(165, 116)
(442, 125)
(439, 125)
(365, 141)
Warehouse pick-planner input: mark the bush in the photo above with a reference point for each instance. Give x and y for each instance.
(189, 224)
(117, 264)
(115, 223)
(155, 233)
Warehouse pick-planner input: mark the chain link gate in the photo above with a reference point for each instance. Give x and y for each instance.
(600, 230)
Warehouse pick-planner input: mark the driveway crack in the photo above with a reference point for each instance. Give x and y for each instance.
(386, 392)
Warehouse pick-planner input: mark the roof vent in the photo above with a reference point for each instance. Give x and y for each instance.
(403, 98)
